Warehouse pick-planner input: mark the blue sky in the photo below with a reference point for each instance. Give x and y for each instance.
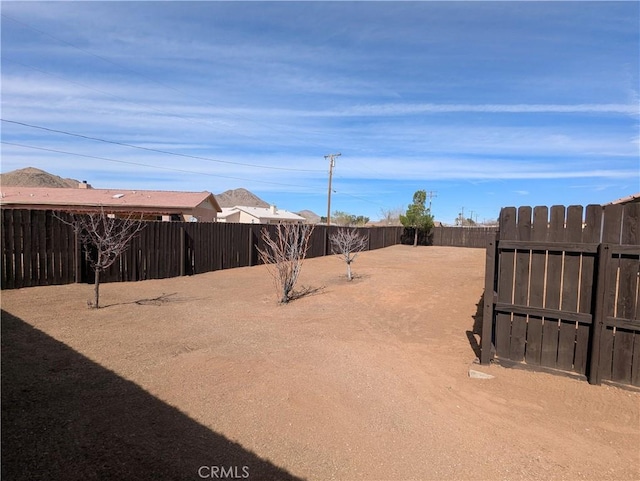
(488, 104)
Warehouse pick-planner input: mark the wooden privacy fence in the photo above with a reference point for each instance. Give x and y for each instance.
(562, 291)
(451, 236)
(462, 236)
(39, 249)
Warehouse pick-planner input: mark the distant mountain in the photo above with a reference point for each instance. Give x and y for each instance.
(32, 177)
(312, 217)
(231, 198)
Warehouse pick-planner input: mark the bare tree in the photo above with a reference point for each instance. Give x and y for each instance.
(284, 255)
(347, 244)
(105, 239)
(391, 216)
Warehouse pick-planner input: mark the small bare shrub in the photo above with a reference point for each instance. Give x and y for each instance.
(347, 244)
(284, 255)
(105, 239)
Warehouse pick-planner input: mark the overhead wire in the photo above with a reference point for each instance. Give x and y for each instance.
(140, 164)
(143, 106)
(123, 144)
(87, 52)
(124, 67)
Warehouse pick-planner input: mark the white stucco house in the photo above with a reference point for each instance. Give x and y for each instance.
(258, 215)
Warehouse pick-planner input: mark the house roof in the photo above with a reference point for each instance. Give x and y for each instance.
(262, 213)
(626, 200)
(114, 198)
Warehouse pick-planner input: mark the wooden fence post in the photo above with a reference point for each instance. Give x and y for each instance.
(597, 321)
(487, 313)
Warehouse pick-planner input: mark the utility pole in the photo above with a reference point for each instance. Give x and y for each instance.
(332, 164)
(431, 194)
(461, 217)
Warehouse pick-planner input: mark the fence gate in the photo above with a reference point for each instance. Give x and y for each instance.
(561, 291)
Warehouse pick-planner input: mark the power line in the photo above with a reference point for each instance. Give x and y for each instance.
(359, 198)
(107, 60)
(122, 144)
(87, 52)
(151, 166)
(124, 67)
(144, 107)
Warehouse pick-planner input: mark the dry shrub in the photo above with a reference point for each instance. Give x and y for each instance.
(347, 244)
(284, 254)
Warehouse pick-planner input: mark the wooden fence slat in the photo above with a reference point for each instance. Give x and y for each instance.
(550, 327)
(57, 245)
(27, 251)
(176, 256)
(570, 283)
(631, 235)
(594, 375)
(487, 313)
(3, 250)
(521, 286)
(9, 251)
(64, 253)
(21, 281)
(41, 222)
(199, 254)
(590, 234)
(148, 253)
(505, 281)
(627, 299)
(154, 242)
(611, 231)
(165, 246)
(537, 283)
(625, 307)
(194, 244)
(211, 259)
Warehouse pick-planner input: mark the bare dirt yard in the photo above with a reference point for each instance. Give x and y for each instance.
(207, 377)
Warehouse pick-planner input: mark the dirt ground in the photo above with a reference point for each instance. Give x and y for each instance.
(207, 376)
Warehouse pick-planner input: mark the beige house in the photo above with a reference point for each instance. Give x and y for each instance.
(152, 204)
(259, 215)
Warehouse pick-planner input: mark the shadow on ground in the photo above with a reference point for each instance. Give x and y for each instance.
(66, 417)
(155, 301)
(477, 327)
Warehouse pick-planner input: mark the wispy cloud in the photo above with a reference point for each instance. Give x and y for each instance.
(475, 99)
(412, 109)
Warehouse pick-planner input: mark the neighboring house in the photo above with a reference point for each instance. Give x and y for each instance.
(259, 215)
(151, 204)
(630, 199)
